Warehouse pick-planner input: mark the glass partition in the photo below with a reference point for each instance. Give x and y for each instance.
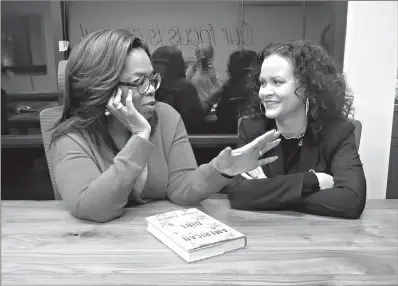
(228, 27)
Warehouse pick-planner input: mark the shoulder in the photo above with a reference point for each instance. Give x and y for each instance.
(336, 133)
(71, 142)
(338, 130)
(167, 114)
(169, 123)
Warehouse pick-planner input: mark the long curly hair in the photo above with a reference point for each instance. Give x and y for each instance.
(324, 85)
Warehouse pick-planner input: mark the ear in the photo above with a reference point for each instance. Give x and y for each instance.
(300, 92)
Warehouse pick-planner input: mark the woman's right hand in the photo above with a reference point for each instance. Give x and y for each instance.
(128, 115)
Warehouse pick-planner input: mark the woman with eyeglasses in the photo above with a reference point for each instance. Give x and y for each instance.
(115, 146)
(299, 91)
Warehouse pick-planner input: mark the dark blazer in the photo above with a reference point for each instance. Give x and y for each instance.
(336, 155)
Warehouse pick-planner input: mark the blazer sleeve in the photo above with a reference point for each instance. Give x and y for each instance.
(348, 196)
(87, 192)
(188, 183)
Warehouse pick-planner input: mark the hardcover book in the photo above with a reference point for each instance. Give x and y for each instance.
(194, 235)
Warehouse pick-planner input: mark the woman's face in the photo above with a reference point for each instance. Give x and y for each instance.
(278, 86)
(136, 66)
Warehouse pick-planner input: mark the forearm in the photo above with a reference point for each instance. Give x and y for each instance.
(195, 185)
(103, 197)
(336, 202)
(266, 194)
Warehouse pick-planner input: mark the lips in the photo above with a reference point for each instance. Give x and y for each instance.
(271, 103)
(150, 103)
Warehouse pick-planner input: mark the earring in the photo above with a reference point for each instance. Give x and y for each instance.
(263, 112)
(307, 106)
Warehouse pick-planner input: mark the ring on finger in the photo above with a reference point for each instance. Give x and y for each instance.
(120, 105)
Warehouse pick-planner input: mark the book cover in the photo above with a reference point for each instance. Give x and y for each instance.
(191, 230)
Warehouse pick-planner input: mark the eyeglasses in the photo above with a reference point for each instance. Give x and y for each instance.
(144, 83)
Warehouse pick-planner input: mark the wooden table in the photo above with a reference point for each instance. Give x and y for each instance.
(43, 245)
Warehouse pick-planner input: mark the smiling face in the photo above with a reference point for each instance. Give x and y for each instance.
(137, 65)
(278, 86)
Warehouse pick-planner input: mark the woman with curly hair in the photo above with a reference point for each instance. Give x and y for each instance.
(301, 94)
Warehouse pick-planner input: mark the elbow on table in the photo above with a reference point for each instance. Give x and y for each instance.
(190, 197)
(186, 202)
(355, 208)
(97, 214)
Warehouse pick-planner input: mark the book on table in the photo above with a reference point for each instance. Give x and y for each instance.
(194, 235)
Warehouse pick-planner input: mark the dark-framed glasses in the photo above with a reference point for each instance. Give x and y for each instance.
(143, 84)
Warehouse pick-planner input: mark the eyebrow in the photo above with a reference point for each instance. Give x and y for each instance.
(142, 73)
(137, 75)
(272, 77)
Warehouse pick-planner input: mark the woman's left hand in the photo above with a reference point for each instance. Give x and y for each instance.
(244, 159)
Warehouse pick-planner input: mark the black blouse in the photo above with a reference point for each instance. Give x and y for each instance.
(291, 157)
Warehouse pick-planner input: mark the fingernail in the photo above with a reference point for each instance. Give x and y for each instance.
(274, 158)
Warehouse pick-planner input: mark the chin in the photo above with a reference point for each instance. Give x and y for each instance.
(271, 114)
(147, 115)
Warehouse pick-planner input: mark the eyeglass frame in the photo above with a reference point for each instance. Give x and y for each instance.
(135, 85)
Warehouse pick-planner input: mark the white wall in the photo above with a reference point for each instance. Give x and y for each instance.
(41, 83)
(371, 67)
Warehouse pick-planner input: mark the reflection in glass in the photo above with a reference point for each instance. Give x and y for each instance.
(22, 43)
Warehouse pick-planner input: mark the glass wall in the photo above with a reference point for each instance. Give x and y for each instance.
(227, 26)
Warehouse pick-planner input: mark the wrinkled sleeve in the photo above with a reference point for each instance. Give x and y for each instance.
(188, 183)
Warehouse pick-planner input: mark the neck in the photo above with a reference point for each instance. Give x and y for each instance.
(293, 126)
(116, 125)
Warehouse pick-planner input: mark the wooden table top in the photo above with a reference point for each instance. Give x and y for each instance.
(43, 245)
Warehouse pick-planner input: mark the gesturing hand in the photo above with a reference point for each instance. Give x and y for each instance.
(244, 159)
(128, 115)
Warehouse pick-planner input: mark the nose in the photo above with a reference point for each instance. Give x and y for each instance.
(151, 91)
(265, 91)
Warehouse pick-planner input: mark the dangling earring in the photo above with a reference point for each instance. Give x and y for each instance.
(307, 106)
(263, 112)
